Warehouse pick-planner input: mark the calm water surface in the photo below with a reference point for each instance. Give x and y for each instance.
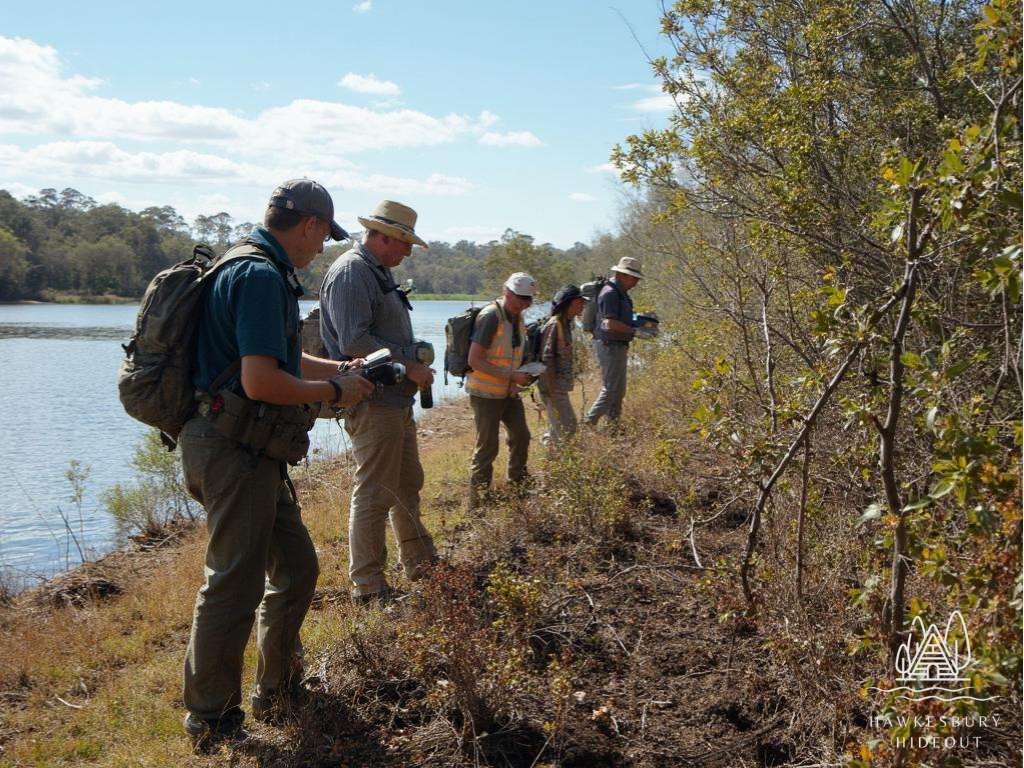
(59, 403)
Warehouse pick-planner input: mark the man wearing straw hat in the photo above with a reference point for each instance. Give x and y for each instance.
(363, 311)
(612, 333)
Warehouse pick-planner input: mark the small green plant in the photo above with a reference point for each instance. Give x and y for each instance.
(517, 603)
(591, 495)
(157, 500)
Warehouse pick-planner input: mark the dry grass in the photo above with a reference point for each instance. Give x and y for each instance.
(97, 680)
(566, 628)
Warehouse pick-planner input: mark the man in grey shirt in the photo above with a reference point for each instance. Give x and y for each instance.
(362, 311)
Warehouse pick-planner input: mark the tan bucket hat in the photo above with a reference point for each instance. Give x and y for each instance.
(629, 266)
(395, 220)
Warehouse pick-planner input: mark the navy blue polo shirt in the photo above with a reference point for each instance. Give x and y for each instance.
(249, 309)
(613, 302)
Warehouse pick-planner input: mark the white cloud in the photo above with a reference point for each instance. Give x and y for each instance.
(369, 84)
(582, 197)
(214, 202)
(322, 127)
(363, 7)
(104, 160)
(512, 139)
(99, 143)
(603, 168)
(38, 100)
(660, 103)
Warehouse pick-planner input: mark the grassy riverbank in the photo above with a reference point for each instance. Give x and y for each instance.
(589, 622)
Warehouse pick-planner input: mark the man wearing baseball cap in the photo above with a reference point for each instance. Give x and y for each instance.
(612, 333)
(495, 355)
(257, 386)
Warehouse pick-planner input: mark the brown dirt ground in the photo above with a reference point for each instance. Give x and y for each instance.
(657, 679)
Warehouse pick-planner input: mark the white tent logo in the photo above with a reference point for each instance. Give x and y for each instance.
(936, 658)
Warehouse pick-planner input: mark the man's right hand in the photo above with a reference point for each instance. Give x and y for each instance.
(420, 374)
(354, 388)
(522, 378)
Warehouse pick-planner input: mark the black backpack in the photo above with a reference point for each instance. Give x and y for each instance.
(155, 380)
(532, 352)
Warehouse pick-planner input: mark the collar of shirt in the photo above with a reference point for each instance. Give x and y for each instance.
(263, 237)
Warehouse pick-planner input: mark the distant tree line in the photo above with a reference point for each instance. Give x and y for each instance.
(65, 244)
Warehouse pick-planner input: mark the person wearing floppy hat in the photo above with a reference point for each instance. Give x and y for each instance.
(612, 333)
(260, 559)
(362, 311)
(495, 355)
(393, 220)
(556, 344)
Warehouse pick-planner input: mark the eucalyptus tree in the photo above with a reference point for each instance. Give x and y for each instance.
(838, 194)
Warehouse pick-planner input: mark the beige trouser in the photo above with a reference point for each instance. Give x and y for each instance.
(561, 417)
(260, 565)
(388, 480)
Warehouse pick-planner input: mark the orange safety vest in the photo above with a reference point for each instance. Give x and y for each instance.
(502, 354)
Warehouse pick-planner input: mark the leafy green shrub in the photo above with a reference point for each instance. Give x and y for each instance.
(157, 500)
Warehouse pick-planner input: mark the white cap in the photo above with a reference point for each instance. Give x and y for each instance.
(521, 284)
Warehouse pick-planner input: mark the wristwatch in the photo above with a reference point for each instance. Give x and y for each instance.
(337, 390)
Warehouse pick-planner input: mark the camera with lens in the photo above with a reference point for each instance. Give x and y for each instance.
(380, 369)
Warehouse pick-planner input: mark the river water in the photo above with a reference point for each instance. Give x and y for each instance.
(59, 404)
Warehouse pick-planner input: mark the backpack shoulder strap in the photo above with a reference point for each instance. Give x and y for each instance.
(246, 249)
(252, 249)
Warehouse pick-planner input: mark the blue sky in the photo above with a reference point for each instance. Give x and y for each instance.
(481, 115)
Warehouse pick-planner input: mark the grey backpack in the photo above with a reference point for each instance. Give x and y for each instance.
(457, 333)
(591, 291)
(155, 380)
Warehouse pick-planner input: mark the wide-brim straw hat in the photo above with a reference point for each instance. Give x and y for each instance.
(395, 220)
(629, 266)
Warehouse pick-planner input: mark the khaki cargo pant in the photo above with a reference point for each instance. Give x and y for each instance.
(488, 415)
(387, 485)
(260, 566)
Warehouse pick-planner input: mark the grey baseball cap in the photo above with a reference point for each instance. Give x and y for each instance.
(308, 197)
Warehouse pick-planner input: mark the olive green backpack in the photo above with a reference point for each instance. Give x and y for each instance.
(155, 380)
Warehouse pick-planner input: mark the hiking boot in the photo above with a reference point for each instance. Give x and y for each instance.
(206, 734)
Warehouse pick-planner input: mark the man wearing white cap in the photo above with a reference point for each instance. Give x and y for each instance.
(612, 333)
(495, 355)
(362, 311)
